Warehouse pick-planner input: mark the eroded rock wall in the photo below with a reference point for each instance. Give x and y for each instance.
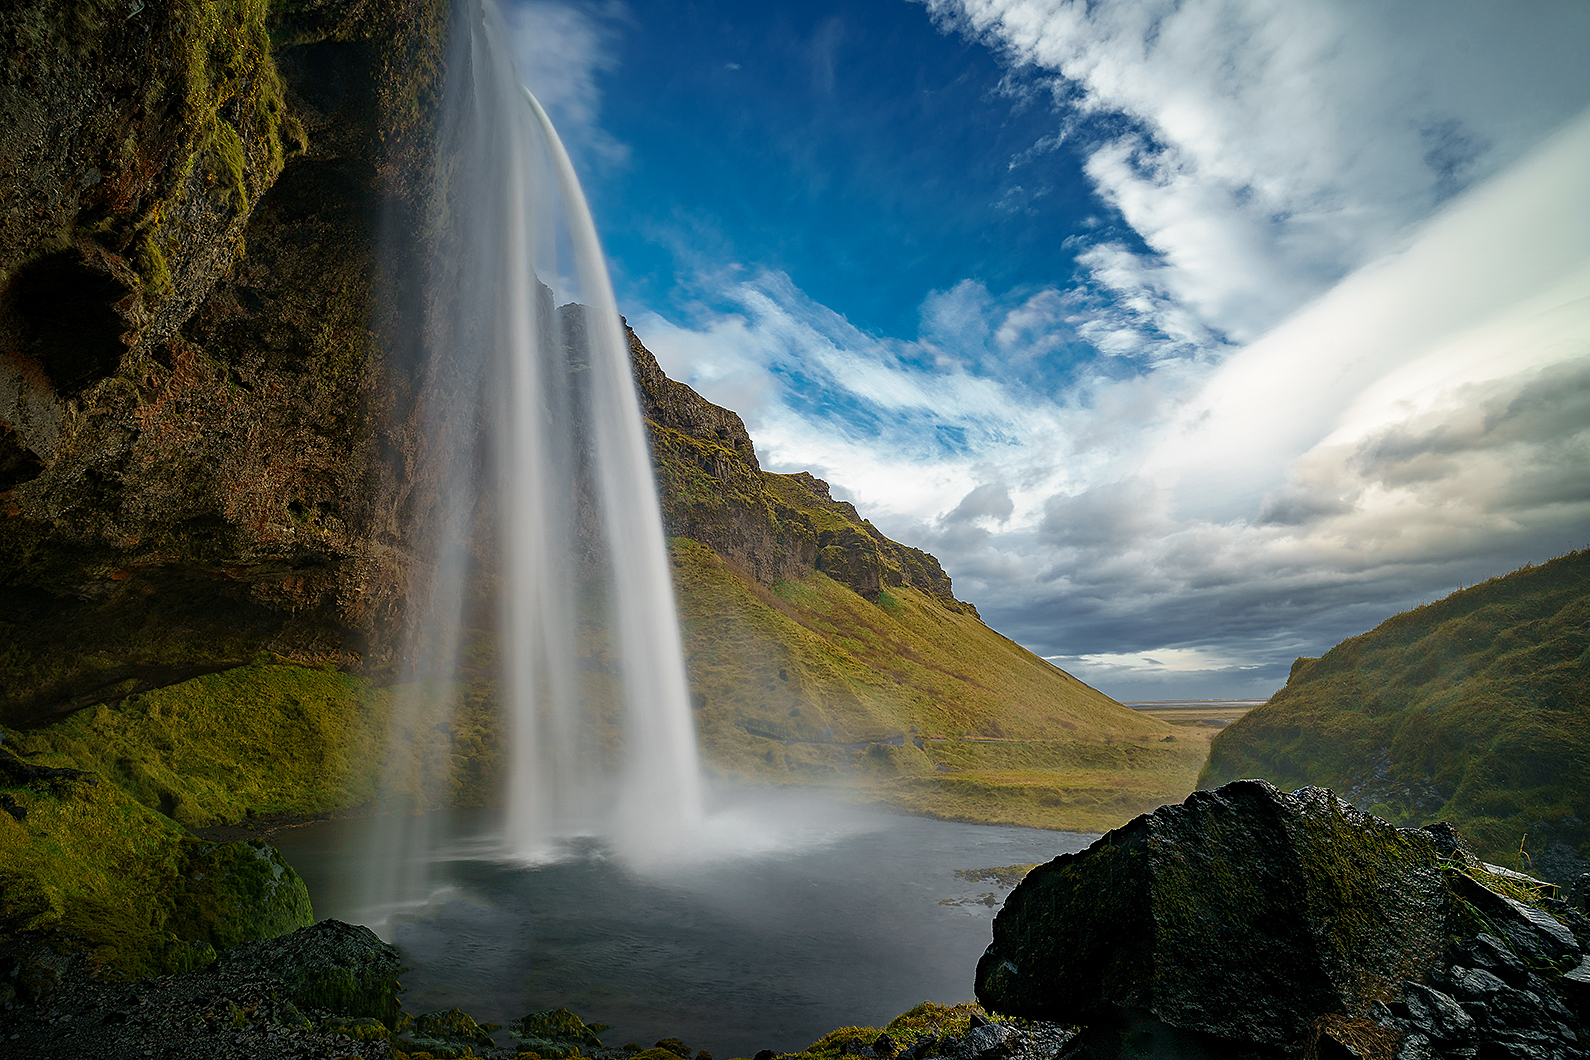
(206, 430)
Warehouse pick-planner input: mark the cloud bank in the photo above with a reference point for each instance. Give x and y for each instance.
(1259, 151)
(1190, 528)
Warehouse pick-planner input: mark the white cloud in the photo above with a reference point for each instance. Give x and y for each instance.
(1262, 150)
(562, 49)
(1423, 424)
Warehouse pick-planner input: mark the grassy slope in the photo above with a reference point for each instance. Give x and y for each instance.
(786, 677)
(1474, 709)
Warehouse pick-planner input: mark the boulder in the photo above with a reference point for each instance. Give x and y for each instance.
(341, 968)
(1243, 914)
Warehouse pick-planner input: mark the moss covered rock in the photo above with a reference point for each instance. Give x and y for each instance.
(85, 867)
(1244, 914)
(556, 1032)
(340, 968)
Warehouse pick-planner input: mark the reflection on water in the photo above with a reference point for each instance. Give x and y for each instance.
(783, 918)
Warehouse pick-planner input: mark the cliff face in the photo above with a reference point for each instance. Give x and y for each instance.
(203, 443)
(772, 526)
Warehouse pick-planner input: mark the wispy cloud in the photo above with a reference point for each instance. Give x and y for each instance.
(1261, 151)
(1190, 528)
(563, 47)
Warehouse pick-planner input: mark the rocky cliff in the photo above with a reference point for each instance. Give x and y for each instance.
(772, 526)
(204, 440)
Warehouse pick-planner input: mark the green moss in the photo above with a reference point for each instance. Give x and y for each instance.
(123, 882)
(254, 740)
(906, 1029)
(1471, 708)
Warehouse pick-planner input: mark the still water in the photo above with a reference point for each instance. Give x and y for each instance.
(788, 916)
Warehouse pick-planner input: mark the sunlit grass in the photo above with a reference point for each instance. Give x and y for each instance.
(786, 678)
(1476, 710)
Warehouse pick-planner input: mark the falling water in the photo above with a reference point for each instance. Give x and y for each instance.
(535, 443)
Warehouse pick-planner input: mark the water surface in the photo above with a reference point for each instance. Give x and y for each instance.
(788, 916)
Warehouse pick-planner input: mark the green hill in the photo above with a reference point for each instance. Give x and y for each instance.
(1474, 710)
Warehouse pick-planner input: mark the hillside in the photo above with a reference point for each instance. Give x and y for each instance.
(820, 651)
(1474, 710)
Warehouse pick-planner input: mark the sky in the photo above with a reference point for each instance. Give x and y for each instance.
(1191, 337)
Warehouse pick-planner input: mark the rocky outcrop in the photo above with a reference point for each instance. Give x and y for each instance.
(204, 448)
(772, 526)
(1248, 922)
(334, 967)
(288, 999)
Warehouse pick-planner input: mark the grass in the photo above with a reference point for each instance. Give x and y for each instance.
(127, 884)
(803, 684)
(1471, 710)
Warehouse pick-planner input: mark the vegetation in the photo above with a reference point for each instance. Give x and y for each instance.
(906, 1029)
(908, 704)
(1471, 710)
(83, 865)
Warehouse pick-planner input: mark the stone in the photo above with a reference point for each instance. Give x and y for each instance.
(1490, 953)
(1244, 913)
(1579, 893)
(1575, 986)
(342, 968)
(988, 1042)
(453, 1025)
(1528, 932)
(556, 1032)
(884, 1046)
(1436, 1015)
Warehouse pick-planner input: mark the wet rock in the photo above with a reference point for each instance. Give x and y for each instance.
(1491, 954)
(342, 968)
(1436, 1015)
(1244, 913)
(1528, 932)
(453, 1025)
(988, 1042)
(884, 1046)
(1575, 986)
(1579, 893)
(557, 1032)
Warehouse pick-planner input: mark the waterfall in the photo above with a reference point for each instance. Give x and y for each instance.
(538, 458)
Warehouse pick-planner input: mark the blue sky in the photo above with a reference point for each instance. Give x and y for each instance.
(1191, 337)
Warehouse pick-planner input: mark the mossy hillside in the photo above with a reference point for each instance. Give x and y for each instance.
(279, 739)
(1474, 710)
(89, 867)
(809, 683)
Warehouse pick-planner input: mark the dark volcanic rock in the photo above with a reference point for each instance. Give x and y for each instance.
(1244, 913)
(342, 968)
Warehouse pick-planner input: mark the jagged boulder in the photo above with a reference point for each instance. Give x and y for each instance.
(333, 966)
(1244, 913)
(1248, 923)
